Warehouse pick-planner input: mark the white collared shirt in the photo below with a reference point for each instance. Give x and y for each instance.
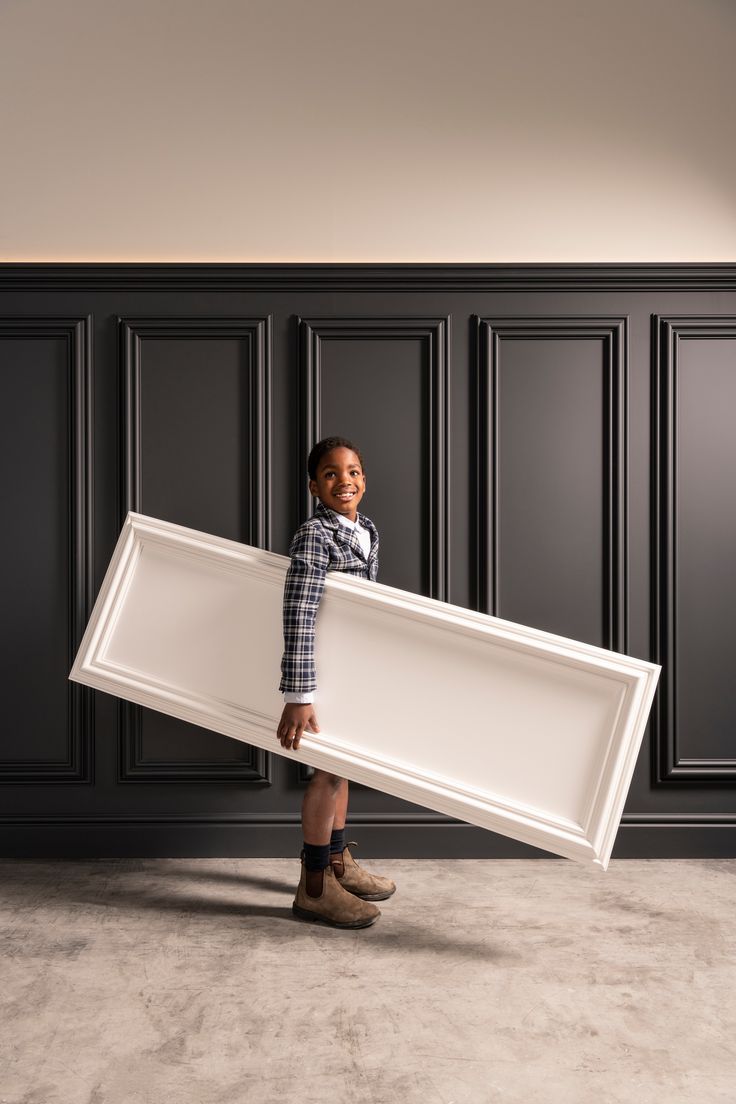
(362, 534)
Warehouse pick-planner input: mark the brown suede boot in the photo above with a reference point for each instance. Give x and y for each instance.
(334, 906)
(369, 887)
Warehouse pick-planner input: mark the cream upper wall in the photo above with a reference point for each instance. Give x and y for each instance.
(368, 130)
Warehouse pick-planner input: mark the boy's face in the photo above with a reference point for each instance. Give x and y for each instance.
(340, 483)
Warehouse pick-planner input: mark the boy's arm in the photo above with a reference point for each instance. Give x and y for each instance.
(303, 588)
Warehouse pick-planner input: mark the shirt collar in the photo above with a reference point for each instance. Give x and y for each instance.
(346, 521)
(332, 518)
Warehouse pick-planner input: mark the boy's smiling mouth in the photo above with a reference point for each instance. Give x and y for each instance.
(344, 495)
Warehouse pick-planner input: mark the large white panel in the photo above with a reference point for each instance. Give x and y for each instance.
(517, 730)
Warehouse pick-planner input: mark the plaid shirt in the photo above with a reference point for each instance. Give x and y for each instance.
(321, 544)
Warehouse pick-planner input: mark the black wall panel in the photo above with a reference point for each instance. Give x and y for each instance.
(550, 444)
(195, 402)
(695, 459)
(354, 370)
(552, 410)
(45, 474)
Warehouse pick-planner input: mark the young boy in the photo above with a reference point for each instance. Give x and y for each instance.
(333, 888)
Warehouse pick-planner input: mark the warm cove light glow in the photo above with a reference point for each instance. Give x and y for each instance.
(335, 132)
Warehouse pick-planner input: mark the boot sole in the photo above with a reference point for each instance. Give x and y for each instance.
(316, 917)
(372, 896)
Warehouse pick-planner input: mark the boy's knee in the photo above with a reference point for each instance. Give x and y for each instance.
(327, 779)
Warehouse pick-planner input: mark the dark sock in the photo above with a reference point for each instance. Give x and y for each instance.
(337, 840)
(316, 855)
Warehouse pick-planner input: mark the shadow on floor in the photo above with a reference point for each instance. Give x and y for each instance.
(82, 886)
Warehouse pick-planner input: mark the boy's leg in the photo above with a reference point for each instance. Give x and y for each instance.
(337, 839)
(319, 895)
(318, 815)
(372, 887)
(341, 805)
(325, 800)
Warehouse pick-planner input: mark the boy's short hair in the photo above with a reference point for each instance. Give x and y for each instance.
(326, 445)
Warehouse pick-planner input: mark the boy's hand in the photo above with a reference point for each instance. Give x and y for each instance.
(294, 719)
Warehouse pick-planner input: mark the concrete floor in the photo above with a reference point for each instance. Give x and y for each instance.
(188, 981)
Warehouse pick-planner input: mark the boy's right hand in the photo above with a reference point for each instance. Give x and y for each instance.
(294, 720)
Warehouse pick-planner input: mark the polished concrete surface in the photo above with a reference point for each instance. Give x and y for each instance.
(188, 981)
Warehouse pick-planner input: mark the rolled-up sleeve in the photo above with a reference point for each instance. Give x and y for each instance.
(303, 588)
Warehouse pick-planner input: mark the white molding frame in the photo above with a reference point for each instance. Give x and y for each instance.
(528, 734)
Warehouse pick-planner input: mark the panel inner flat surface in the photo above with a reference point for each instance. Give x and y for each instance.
(203, 629)
(511, 723)
(514, 724)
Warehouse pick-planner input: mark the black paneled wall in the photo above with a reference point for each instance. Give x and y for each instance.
(550, 444)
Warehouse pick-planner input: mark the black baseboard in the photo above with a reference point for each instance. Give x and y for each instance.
(154, 839)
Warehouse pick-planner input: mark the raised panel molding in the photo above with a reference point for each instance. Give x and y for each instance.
(255, 769)
(172, 629)
(613, 334)
(133, 766)
(669, 766)
(77, 764)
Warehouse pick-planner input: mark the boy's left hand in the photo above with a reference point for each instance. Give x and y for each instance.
(294, 720)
